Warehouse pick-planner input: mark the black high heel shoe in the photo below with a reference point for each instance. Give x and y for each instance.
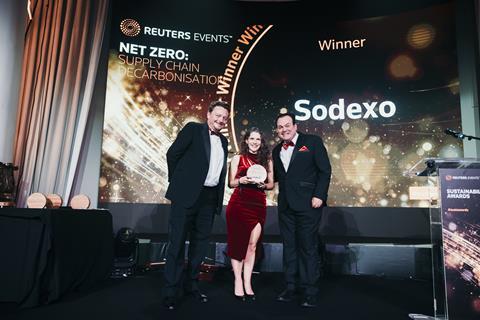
(250, 297)
(241, 298)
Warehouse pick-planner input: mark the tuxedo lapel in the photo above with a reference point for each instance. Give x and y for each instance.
(225, 150)
(276, 155)
(295, 149)
(224, 144)
(206, 141)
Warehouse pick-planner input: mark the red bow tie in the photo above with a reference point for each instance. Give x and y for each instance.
(214, 133)
(288, 144)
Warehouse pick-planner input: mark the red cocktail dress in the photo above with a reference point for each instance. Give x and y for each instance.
(246, 208)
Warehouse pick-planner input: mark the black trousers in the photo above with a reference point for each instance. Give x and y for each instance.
(194, 224)
(299, 230)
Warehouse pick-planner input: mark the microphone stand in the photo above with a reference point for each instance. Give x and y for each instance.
(460, 135)
(463, 136)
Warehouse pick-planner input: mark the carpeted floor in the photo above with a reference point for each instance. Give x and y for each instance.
(139, 298)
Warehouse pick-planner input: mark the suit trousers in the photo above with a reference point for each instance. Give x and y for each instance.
(299, 230)
(194, 223)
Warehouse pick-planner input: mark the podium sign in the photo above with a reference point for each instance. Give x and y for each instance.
(454, 234)
(460, 209)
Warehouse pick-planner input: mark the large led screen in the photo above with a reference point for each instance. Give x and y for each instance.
(379, 91)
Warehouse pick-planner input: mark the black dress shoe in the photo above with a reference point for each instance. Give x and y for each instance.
(170, 303)
(286, 296)
(250, 297)
(241, 298)
(199, 296)
(309, 302)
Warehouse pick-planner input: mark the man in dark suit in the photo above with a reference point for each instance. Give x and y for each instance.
(303, 171)
(197, 162)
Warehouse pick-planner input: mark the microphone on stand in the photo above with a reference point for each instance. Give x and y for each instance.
(455, 134)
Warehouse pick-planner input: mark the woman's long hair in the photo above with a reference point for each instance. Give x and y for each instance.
(263, 152)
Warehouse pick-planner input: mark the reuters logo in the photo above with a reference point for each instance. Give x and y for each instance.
(448, 177)
(130, 27)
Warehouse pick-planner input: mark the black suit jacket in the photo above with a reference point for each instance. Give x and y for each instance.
(188, 159)
(308, 174)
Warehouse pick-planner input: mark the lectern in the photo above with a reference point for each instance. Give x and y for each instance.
(452, 191)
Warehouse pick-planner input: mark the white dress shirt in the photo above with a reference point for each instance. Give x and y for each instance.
(286, 155)
(216, 161)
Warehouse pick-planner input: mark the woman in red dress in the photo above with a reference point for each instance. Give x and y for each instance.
(246, 209)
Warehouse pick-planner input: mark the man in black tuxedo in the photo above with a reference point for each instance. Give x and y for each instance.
(303, 171)
(197, 162)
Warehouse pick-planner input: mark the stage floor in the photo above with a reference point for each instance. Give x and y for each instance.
(139, 298)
